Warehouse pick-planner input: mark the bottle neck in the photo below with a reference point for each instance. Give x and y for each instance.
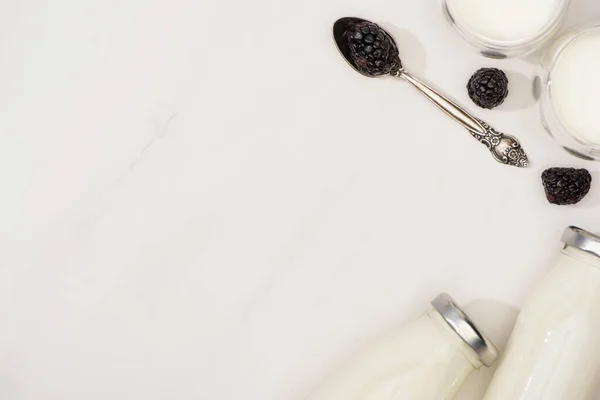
(588, 258)
(453, 337)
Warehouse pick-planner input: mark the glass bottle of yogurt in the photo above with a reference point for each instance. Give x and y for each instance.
(428, 359)
(505, 28)
(553, 352)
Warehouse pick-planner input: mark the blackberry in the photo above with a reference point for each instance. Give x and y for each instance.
(566, 186)
(488, 87)
(372, 49)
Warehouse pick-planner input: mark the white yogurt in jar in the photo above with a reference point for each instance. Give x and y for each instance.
(506, 21)
(424, 360)
(575, 87)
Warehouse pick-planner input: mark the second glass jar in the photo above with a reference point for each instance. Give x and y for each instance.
(569, 102)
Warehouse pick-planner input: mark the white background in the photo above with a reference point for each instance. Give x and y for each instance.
(201, 200)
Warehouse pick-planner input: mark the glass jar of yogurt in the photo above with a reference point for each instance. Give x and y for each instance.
(505, 28)
(428, 359)
(553, 352)
(570, 103)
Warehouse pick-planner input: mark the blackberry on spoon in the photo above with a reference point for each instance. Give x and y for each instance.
(373, 51)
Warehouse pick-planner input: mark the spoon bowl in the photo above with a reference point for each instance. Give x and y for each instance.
(340, 27)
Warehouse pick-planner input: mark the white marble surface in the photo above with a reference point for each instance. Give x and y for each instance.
(200, 200)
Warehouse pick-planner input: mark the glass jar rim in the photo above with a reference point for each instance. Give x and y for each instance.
(500, 45)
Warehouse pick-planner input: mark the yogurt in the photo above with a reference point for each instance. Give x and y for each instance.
(574, 87)
(424, 360)
(553, 351)
(510, 27)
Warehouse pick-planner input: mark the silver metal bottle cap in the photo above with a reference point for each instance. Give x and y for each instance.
(465, 328)
(582, 239)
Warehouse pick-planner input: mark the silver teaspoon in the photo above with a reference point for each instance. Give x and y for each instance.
(504, 148)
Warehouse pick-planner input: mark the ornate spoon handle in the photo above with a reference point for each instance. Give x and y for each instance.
(504, 148)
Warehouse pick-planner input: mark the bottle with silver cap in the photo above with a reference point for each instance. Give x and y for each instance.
(554, 349)
(427, 359)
